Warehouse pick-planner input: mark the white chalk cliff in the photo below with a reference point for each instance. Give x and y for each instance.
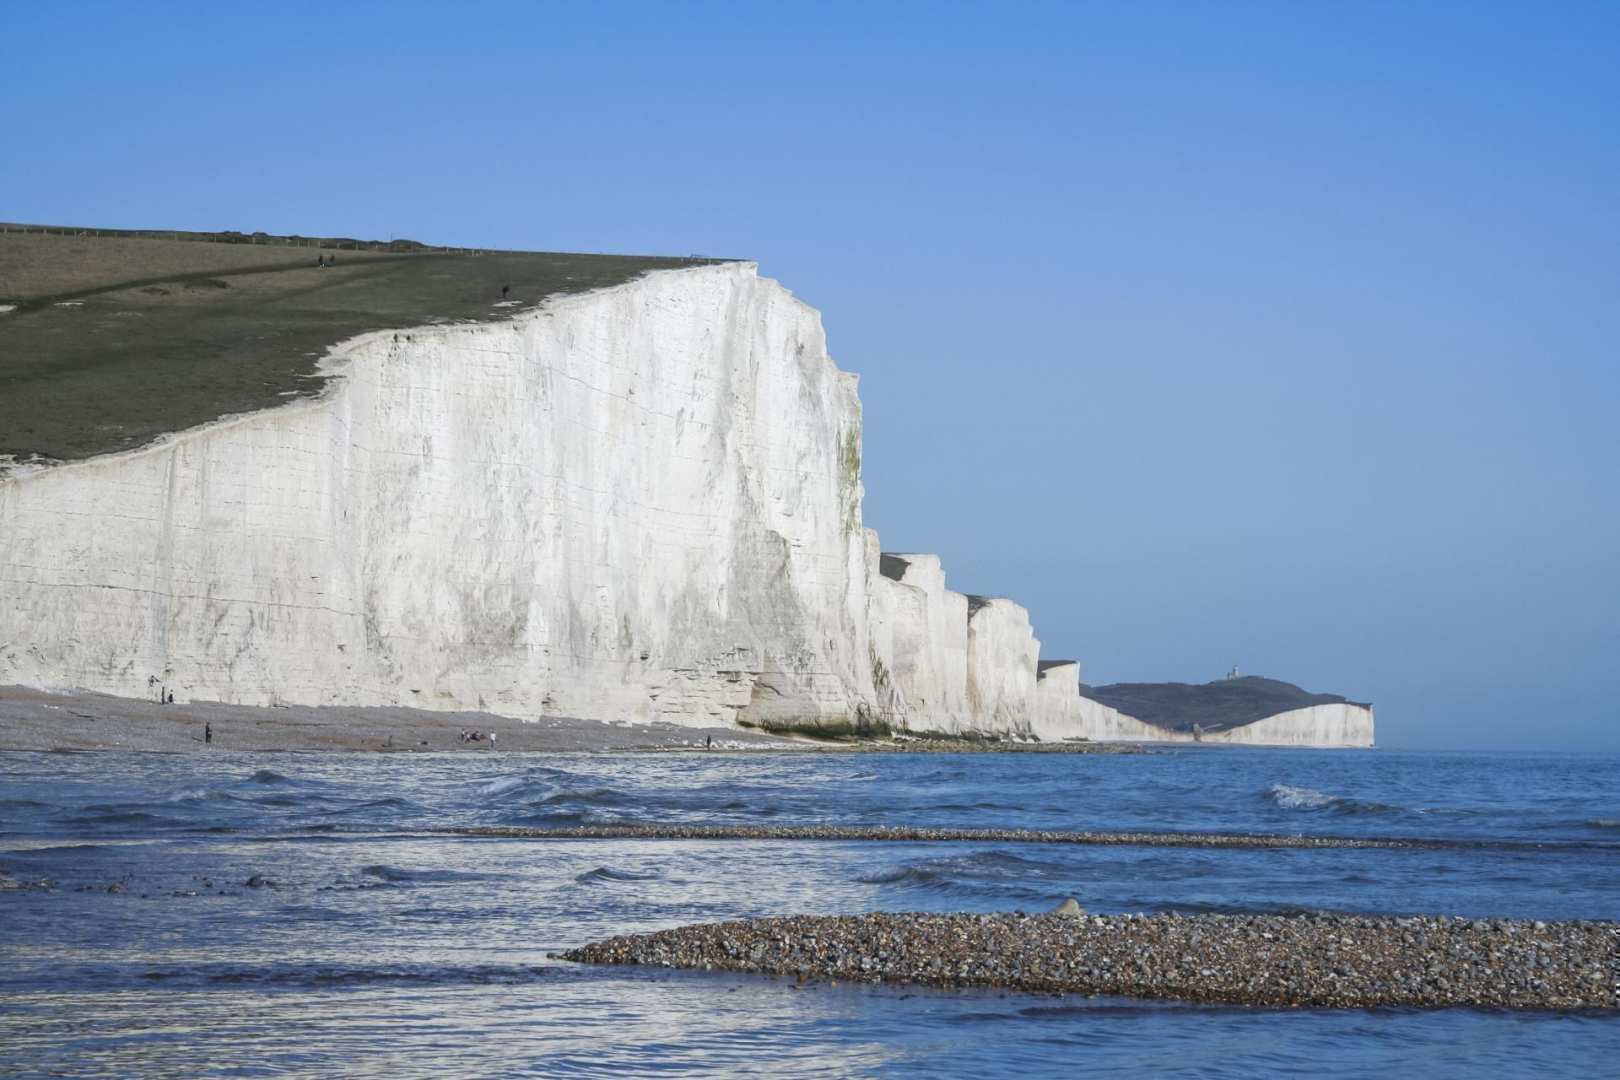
(638, 503)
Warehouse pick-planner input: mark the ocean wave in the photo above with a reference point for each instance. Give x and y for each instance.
(532, 783)
(983, 873)
(392, 803)
(269, 776)
(338, 975)
(1602, 823)
(1288, 797)
(400, 876)
(56, 849)
(606, 873)
(1299, 798)
(504, 784)
(118, 817)
(901, 875)
(562, 819)
(602, 796)
(289, 799)
(195, 795)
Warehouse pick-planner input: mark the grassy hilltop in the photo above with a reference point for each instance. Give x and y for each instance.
(113, 340)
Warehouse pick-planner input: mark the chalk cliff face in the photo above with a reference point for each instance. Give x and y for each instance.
(640, 503)
(1002, 657)
(919, 643)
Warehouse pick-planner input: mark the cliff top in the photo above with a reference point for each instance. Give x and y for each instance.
(110, 339)
(1215, 706)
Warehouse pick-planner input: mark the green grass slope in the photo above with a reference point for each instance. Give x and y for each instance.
(113, 340)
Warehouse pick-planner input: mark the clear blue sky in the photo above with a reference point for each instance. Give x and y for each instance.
(1279, 335)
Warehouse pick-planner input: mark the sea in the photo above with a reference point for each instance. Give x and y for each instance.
(304, 914)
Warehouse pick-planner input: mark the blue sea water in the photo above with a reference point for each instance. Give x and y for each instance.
(297, 914)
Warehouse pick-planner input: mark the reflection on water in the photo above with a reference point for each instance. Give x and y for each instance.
(221, 914)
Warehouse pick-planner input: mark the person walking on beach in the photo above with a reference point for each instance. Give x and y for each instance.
(492, 740)
(208, 734)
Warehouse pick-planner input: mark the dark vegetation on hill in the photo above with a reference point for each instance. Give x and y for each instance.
(1216, 706)
(113, 340)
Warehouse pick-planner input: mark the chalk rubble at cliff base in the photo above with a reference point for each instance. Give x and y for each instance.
(1324, 961)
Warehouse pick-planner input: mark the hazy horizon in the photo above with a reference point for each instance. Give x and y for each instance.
(1272, 336)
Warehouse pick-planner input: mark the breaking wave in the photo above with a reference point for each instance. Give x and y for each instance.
(606, 873)
(592, 797)
(984, 873)
(331, 975)
(1288, 797)
(269, 776)
(1299, 798)
(201, 795)
(505, 785)
(399, 876)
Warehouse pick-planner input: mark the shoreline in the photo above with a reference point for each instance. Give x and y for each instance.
(36, 720)
(45, 721)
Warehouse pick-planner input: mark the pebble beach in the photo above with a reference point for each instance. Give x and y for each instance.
(1323, 961)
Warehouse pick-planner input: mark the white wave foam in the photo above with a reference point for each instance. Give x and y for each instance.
(503, 784)
(1299, 798)
(198, 795)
